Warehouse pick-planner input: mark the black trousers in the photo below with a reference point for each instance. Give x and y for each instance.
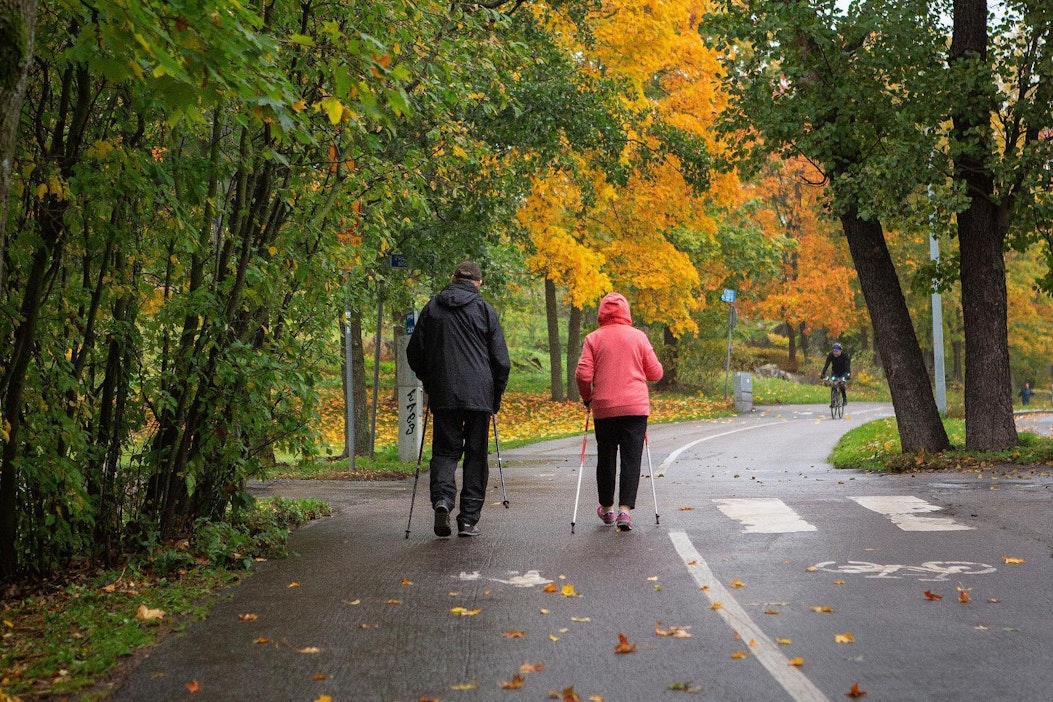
(624, 435)
(456, 433)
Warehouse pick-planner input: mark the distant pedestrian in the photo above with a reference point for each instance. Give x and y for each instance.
(616, 363)
(459, 353)
(1025, 394)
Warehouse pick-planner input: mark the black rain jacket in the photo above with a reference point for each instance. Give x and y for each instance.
(840, 365)
(458, 351)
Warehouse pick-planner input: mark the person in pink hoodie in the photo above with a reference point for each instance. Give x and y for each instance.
(616, 363)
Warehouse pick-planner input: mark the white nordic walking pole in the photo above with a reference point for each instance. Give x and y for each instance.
(654, 495)
(500, 469)
(416, 475)
(581, 469)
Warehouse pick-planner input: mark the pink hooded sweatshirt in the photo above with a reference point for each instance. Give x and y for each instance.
(616, 363)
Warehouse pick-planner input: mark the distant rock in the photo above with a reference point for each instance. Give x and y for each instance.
(770, 370)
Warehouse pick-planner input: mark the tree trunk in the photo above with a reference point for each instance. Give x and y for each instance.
(17, 34)
(920, 426)
(989, 424)
(555, 356)
(791, 350)
(573, 352)
(803, 331)
(670, 360)
(358, 386)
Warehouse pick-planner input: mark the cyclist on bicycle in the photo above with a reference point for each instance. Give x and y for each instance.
(840, 365)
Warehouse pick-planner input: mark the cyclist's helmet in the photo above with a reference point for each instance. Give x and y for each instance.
(837, 347)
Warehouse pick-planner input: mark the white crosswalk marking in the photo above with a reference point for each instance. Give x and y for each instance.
(904, 511)
(763, 515)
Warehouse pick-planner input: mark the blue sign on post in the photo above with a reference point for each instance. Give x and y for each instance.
(398, 261)
(411, 321)
(728, 295)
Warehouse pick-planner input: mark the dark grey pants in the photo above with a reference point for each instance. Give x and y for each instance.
(456, 433)
(624, 435)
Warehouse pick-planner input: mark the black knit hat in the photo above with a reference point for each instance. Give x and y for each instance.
(468, 270)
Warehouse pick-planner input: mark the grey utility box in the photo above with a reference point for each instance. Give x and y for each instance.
(742, 385)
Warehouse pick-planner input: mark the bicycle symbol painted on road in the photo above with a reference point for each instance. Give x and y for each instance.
(936, 571)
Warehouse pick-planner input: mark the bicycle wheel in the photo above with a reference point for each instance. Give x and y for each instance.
(837, 407)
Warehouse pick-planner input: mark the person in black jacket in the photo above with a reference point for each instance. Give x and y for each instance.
(840, 365)
(458, 352)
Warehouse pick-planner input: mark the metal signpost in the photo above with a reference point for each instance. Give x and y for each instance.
(728, 296)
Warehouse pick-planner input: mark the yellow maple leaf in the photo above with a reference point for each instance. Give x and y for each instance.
(514, 634)
(739, 655)
(464, 612)
(531, 667)
(406, 582)
(309, 649)
(716, 605)
(568, 591)
(822, 608)
(844, 638)
(248, 617)
(737, 583)
(466, 686)
(784, 642)
(796, 662)
(1017, 561)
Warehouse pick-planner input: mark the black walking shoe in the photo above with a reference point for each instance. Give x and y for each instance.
(442, 521)
(466, 529)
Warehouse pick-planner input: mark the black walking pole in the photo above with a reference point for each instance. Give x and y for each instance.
(416, 475)
(500, 469)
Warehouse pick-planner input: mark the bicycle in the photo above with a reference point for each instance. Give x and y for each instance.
(837, 400)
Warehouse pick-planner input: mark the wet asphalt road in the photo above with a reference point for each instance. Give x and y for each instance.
(756, 532)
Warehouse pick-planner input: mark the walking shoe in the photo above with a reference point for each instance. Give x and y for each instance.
(624, 521)
(607, 516)
(466, 529)
(442, 521)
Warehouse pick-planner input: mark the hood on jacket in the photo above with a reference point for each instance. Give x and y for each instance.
(458, 294)
(614, 309)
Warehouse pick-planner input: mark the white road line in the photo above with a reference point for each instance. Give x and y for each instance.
(791, 678)
(763, 515)
(676, 453)
(904, 511)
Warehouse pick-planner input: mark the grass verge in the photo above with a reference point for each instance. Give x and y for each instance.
(875, 446)
(68, 639)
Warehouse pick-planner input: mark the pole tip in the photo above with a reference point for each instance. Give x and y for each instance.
(572, 527)
(505, 503)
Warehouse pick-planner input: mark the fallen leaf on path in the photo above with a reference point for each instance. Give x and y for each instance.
(463, 612)
(811, 569)
(580, 620)
(193, 687)
(553, 637)
(248, 617)
(309, 649)
(531, 667)
(677, 632)
(319, 676)
(716, 605)
(567, 694)
(963, 595)
(822, 608)
(262, 640)
(684, 687)
(686, 509)
(1013, 561)
(514, 634)
(692, 562)
(514, 684)
(795, 662)
(623, 645)
(394, 602)
(933, 596)
(146, 614)
(770, 611)
(854, 691)
(406, 583)
(737, 583)
(324, 698)
(839, 582)
(551, 587)
(353, 603)
(543, 610)
(294, 584)
(784, 642)
(454, 593)
(466, 686)
(739, 655)
(844, 638)
(368, 626)
(568, 591)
